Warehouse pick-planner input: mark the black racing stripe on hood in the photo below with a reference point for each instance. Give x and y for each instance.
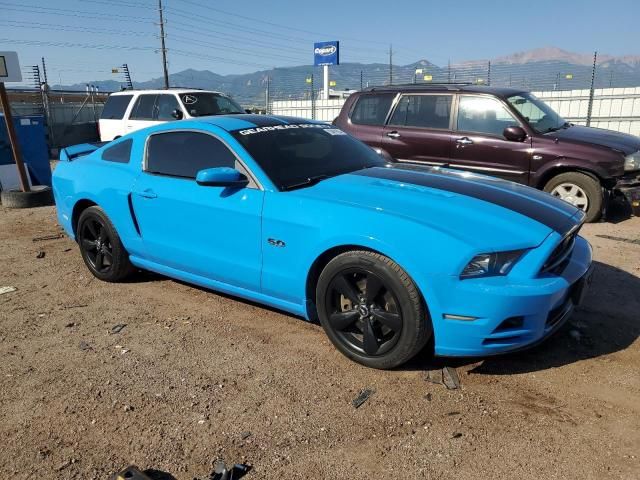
(505, 194)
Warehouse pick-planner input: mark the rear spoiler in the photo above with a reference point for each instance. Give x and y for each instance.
(69, 153)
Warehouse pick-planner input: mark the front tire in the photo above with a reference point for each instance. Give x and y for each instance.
(579, 189)
(101, 248)
(371, 310)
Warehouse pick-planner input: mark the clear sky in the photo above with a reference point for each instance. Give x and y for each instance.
(83, 39)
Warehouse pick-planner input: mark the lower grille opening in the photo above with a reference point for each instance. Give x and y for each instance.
(511, 323)
(496, 341)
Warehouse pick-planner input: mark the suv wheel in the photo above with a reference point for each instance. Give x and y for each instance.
(371, 310)
(580, 190)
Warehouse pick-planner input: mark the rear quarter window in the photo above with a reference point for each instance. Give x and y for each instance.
(119, 153)
(115, 107)
(371, 109)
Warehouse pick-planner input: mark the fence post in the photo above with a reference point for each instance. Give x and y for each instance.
(489, 73)
(361, 80)
(593, 78)
(267, 97)
(313, 100)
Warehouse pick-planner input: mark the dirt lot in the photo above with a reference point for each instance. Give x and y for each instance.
(195, 375)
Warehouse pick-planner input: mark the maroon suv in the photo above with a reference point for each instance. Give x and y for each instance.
(504, 132)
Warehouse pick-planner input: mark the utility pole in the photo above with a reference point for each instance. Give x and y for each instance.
(390, 64)
(127, 76)
(449, 71)
(489, 73)
(163, 48)
(361, 80)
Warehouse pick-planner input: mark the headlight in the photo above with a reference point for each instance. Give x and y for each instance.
(632, 162)
(491, 264)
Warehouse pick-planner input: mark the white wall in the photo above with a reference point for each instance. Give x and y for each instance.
(326, 110)
(613, 108)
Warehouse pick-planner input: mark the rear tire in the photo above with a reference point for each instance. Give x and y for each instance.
(371, 309)
(579, 189)
(101, 247)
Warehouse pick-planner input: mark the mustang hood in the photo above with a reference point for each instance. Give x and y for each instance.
(622, 142)
(479, 210)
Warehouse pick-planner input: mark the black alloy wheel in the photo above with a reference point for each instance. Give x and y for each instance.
(365, 312)
(96, 245)
(371, 309)
(101, 247)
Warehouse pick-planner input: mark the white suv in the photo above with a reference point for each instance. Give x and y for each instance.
(132, 110)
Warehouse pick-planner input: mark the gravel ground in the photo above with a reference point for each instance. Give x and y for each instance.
(195, 375)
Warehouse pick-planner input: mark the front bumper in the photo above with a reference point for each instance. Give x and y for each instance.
(501, 314)
(629, 187)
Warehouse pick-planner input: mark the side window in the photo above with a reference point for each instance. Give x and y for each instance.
(143, 108)
(371, 109)
(120, 152)
(427, 111)
(184, 154)
(483, 115)
(165, 105)
(115, 107)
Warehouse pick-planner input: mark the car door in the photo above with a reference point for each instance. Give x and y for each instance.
(368, 116)
(419, 129)
(212, 232)
(479, 145)
(142, 113)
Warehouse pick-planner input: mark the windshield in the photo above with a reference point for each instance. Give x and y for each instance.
(200, 104)
(299, 155)
(538, 114)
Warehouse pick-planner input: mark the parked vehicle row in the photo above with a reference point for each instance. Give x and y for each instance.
(301, 216)
(503, 132)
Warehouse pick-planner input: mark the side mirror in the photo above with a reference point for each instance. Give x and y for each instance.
(514, 133)
(221, 177)
(177, 114)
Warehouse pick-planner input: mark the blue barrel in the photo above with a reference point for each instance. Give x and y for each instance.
(32, 136)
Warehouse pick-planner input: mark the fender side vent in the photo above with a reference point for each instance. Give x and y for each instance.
(133, 214)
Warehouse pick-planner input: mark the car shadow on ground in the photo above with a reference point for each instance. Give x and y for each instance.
(608, 322)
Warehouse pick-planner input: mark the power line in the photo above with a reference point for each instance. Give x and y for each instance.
(73, 45)
(6, 6)
(71, 28)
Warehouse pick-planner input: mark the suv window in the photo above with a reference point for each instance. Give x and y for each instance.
(166, 104)
(120, 152)
(428, 111)
(144, 108)
(372, 109)
(483, 115)
(184, 154)
(115, 107)
(200, 104)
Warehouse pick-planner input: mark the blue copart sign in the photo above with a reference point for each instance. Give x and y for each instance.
(326, 53)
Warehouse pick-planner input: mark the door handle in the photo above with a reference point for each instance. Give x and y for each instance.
(148, 193)
(393, 134)
(464, 141)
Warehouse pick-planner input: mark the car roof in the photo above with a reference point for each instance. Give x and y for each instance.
(447, 87)
(243, 121)
(178, 91)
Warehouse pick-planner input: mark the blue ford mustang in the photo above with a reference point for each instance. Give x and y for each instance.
(300, 216)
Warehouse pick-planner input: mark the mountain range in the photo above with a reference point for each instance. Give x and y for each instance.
(545, 68)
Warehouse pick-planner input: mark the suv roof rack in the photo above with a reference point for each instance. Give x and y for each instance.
(420, 86)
